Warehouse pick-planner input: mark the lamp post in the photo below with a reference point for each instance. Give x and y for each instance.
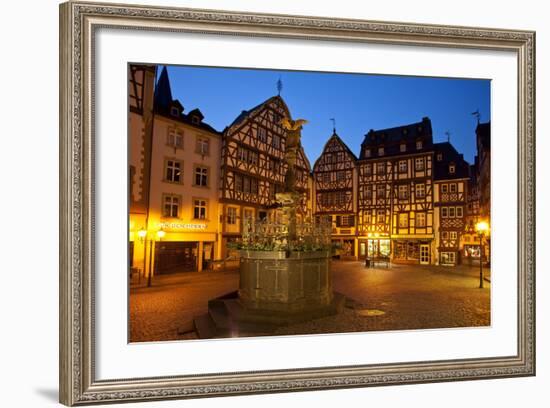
(142, 234)
(160, 234)
(481, 228)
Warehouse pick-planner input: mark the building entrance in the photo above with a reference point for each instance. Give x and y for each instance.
(173, 257)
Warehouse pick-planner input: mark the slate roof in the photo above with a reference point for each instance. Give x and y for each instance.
(449, 155)
(164, 103)
(392, 138)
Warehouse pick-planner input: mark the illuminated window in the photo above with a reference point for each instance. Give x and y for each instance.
(368, 218)
(381, 217)
(444, 188)
(418, 144)
(452, 187)
(452, 169)
(380, 151)
(453, 235)
(170, 206)
(402, 166)
(172, 171)
(201, 176)
(403, 220)
(380, 168)
(231, 215)
(199, 208)
(419, 163)
(403, 192)
(420, 190)
(421, 219)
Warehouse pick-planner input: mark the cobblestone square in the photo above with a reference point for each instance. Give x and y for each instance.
(399, 297)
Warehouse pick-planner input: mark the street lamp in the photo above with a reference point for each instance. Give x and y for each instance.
(160, 234)
(481, 227)
(142, 234)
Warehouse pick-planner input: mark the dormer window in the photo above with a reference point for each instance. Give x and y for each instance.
(439, 156)
(403, 147)
(418, 144)
(367, 152)
(452, 169)
(195, 120)
(380, 151)
(174, 111)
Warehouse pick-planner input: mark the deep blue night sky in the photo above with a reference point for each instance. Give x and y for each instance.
(358, 102)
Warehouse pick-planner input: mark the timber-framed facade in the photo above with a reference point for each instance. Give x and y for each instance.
(395, 194)
(404, 199)
(334, 192)
(451, 181)
(253, 169)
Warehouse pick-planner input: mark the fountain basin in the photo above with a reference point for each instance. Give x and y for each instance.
(285, 282)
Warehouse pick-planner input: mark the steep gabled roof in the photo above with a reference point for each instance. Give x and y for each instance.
(337, 139)
(449, 155)
(245, 114)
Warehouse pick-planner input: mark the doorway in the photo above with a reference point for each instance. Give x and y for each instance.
(424, 254)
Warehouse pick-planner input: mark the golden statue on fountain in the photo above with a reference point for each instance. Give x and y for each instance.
(289, 199)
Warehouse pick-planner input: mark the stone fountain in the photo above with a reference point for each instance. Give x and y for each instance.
(284, 267)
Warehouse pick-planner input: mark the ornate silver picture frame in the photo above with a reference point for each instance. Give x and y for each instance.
(79, 23)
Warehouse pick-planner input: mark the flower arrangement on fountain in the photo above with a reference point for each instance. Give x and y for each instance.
(277, 236)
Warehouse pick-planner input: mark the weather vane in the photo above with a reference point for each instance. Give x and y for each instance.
(279, 86)
(448, 136)
(333, 125)
(477, 115)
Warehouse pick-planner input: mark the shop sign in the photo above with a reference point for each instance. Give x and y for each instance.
(182, 226)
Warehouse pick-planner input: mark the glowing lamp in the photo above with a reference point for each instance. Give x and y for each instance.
(161, 234)
(482, 227)
(142, 234)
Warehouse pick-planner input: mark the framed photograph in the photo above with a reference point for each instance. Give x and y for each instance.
(255, 203)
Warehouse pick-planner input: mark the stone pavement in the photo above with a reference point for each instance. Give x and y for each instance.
(396, 298)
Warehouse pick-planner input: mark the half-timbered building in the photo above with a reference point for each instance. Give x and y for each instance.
(334, 192)
(141, 85)
(451, 179)
(253, 168)
(470, 248)
(395, 194)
